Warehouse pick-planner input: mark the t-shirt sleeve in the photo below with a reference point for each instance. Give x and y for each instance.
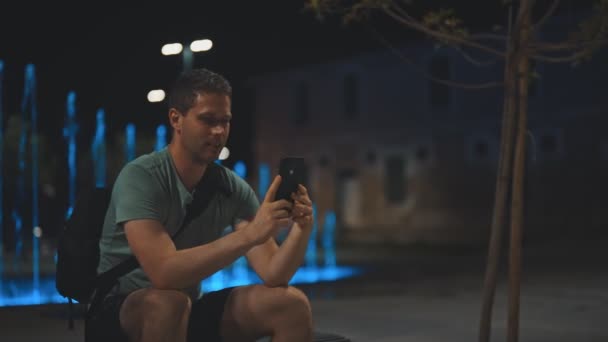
(248, 201)
(137, 195)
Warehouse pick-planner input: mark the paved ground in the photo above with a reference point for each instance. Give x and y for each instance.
(423, 295)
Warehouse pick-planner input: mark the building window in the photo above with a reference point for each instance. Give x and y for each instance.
(547, 144)
(422, 154)
(323, 161)
(482, 148)
(301, 104)
(370, 157)
(394, 180)
(439, 92)
(351, 97)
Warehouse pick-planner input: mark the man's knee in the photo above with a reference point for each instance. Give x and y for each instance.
(298, 299)
(152, 311)
(169, 303)
(293, 302)
(259, 310)
(147, 305)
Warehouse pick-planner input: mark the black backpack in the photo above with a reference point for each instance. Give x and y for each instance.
(78, 245)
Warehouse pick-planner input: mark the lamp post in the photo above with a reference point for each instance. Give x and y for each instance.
(200, 45)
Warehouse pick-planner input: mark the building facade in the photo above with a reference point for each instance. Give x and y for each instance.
(402, 159)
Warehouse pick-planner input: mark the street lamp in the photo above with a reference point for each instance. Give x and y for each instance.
(200, 45)
(156, 95)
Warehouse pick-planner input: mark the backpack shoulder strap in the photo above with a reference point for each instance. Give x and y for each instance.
(214, 181)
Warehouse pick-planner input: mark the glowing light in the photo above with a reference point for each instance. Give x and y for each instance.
(98, 148)
(225, 153)
(240, 168)
(156, 95)
(38, 232)
(264, 179)
(304, 275)
(201, 45)
(171, 49)
(130, 145)
(15, 292)
(161, 137)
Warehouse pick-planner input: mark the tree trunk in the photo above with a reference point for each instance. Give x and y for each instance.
(517, 205)
(503, 182)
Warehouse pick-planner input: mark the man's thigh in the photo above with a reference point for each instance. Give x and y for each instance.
(252, 312)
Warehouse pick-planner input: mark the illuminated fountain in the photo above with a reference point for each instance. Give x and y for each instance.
(29, 112)
(263, 180)
(130, 143)
(69, 132)
(161, 137)
(240, 270)
(329, 240)
(98, 150)
(1, 177)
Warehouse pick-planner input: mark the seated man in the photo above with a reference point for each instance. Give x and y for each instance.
(161, 301)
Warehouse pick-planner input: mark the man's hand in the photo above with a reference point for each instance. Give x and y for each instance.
(302, 209)
(271, 217)
(276, 265)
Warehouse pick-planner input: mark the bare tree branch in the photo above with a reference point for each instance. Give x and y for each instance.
(472, 60)
(487, 36)
(563, 59)
(426, 74)
(566, 45)
(402, 17)
(548, 14)
(404, 13)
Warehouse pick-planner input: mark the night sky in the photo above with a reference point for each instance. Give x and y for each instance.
(110, 54)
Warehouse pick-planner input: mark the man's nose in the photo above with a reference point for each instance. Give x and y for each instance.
(218, 129)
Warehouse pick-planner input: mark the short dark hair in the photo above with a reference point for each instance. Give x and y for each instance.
(191, 83)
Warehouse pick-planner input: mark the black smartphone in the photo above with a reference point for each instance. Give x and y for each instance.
(293, 172)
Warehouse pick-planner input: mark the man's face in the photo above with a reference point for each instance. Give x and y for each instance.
(205, 127)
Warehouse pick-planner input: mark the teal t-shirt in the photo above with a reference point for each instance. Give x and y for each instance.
(149, 188)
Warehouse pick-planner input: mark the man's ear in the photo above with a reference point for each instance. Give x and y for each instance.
(175, 119)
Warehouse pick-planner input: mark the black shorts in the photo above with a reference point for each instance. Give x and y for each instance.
(204, 323)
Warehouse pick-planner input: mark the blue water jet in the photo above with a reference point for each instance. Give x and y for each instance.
(329, 240)
(29, 106)
(161, 137)
(1, 175)
(20, 190)
(98, 150)
(311, 249)
(130, 142)
(263, 180)
(241, 169)
(69, 133)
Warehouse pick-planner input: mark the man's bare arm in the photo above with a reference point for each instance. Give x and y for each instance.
(276, 265)
(168, 268)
